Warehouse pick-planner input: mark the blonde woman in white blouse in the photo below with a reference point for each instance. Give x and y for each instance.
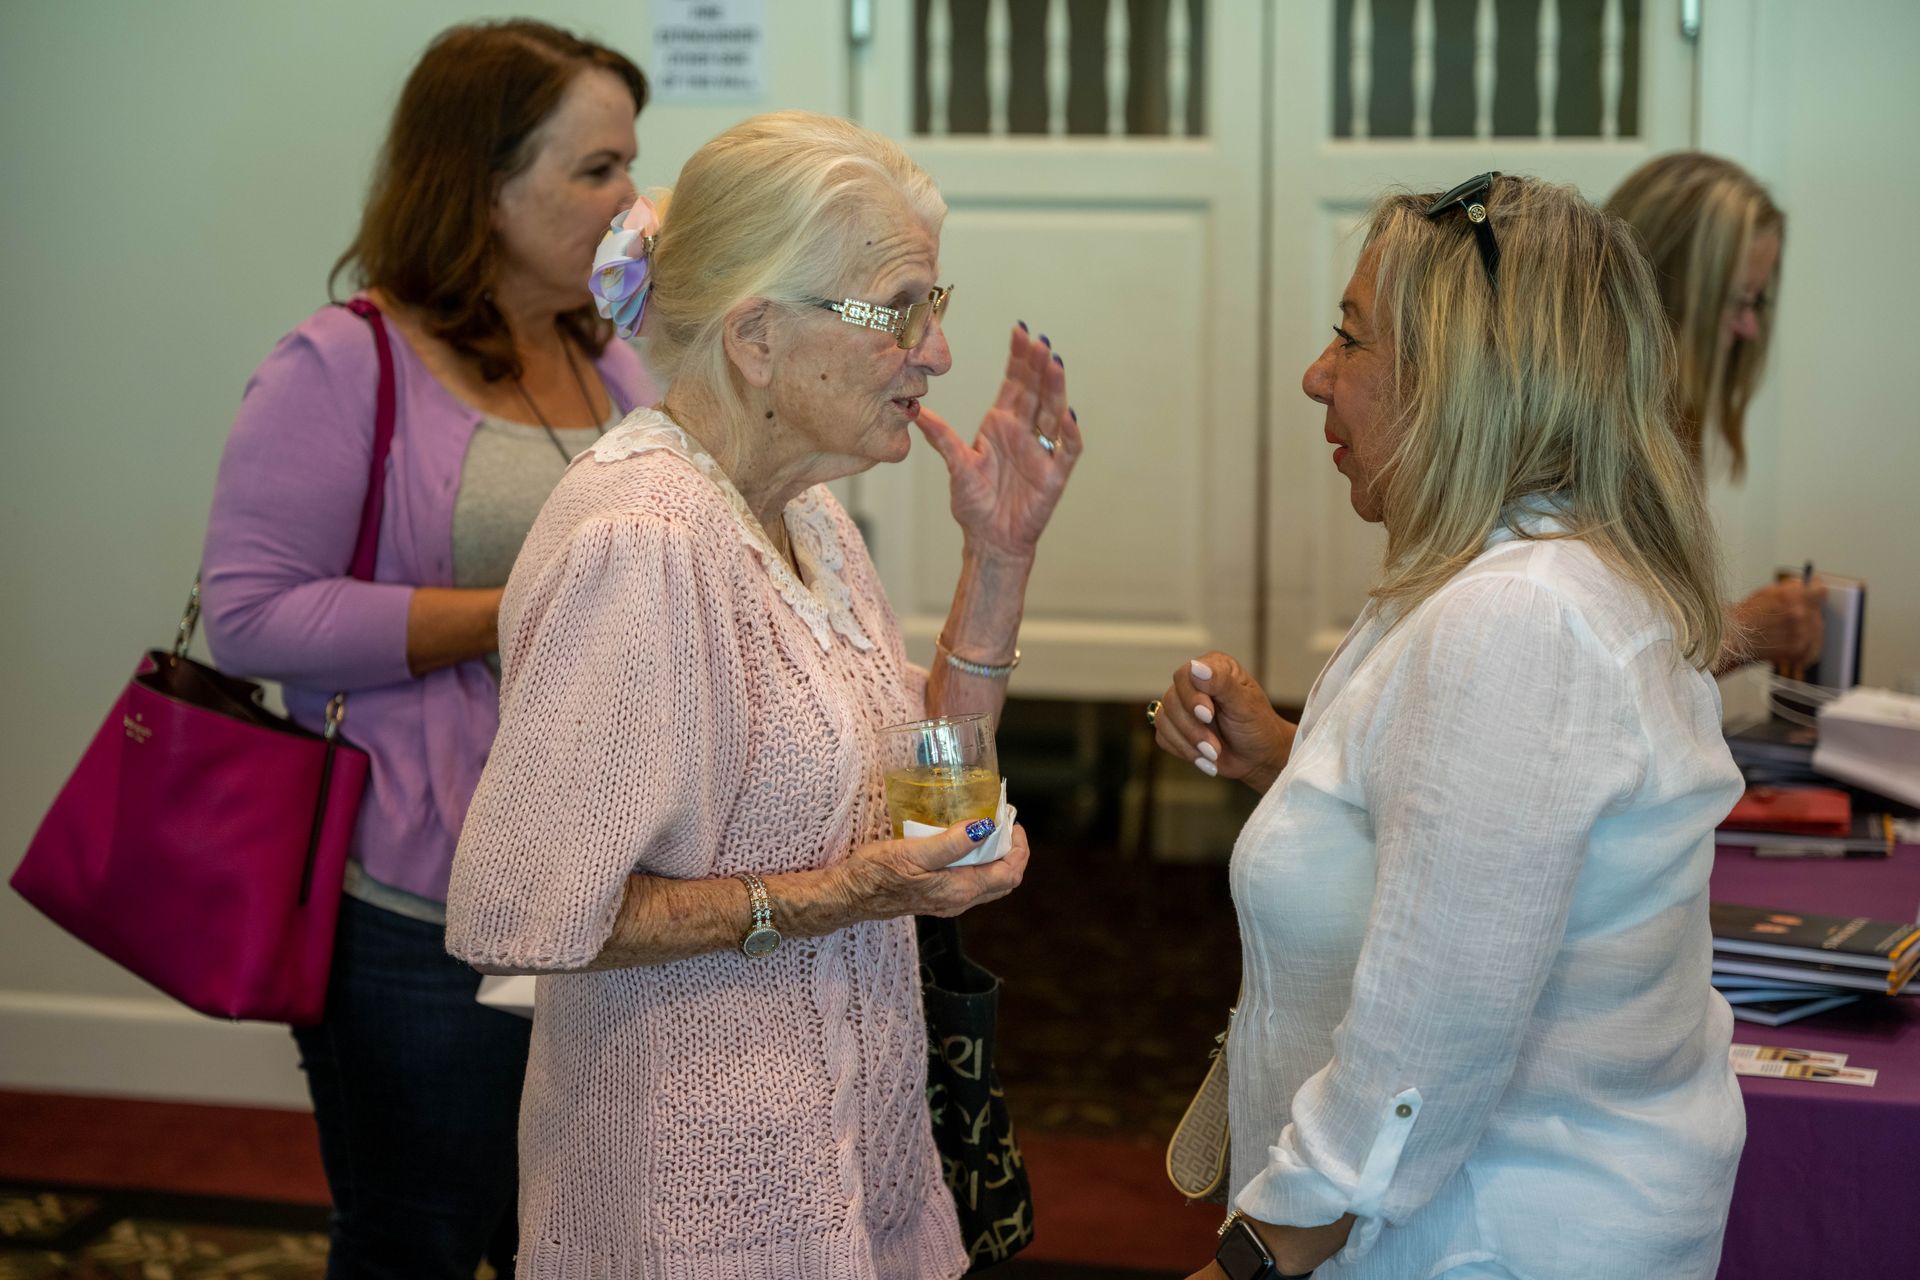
(1477, 1036)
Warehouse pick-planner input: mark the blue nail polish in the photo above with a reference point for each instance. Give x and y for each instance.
(979, 829)
(1045, 340)
(1070, 408)
(1062, 363)
(1023, 326)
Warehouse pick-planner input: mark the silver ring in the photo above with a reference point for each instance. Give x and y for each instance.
(1046, 441)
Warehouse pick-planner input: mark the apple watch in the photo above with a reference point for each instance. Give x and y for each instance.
(762, 938)
(1243, 1255)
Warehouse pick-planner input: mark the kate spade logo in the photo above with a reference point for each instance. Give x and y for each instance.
(136, 731)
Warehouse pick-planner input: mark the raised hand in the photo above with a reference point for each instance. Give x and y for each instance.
(1005, 484)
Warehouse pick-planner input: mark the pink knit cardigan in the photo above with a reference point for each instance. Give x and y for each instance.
(675, 702)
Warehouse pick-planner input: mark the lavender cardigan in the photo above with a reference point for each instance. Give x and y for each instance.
(278, 603)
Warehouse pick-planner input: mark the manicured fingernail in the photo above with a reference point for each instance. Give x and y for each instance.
(1076, 416)
(1023, 326)
(1210, 751)
(1201, 671)
(1062, 363)
(1203, 713)
(1206, 767)
(979, 829)
(1046, 340)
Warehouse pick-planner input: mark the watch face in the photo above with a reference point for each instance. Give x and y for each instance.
(1242, 1256)
(761, 942)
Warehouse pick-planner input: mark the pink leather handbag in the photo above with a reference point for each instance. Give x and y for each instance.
(202, 841)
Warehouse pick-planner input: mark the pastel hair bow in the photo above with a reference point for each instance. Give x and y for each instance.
(621, 277)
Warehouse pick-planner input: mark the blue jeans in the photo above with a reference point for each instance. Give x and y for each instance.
(416, 1090)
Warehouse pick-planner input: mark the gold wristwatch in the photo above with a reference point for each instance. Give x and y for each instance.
(762, 938)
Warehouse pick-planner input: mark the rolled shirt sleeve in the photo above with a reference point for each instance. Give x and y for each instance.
(1510, 732)
(558, 823)
(278, 600)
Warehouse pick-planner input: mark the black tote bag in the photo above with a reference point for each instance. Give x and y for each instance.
(979, 1156)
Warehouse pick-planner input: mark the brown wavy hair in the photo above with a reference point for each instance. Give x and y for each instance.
(465, 124)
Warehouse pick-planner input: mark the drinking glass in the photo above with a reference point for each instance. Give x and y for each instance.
(939, 772)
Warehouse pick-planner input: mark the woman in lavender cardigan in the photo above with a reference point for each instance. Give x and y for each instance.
(507, 156)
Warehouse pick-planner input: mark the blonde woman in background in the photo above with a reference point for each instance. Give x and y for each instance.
(682, 822)
(1477, 1037)
(1714, 237)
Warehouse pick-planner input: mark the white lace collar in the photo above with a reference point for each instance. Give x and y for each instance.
(827, 605)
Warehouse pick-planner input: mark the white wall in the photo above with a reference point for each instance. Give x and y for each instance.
(175, 181)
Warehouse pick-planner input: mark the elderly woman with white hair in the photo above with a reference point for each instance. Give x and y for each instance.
(682, 822)
(1477, 1037)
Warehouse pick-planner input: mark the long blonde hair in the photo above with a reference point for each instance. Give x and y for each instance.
(1697, 216)
(1553, 383)
(781, 206)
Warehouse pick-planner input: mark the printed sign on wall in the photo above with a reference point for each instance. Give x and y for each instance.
(707, 51)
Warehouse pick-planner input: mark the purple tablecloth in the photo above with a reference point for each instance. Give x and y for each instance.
(1828, 1180)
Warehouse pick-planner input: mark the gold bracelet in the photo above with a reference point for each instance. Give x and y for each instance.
(985, 670)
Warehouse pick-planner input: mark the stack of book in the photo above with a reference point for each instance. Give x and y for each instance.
(1804, 822)
(1775, 965)
(1775, 750)
(1871, 738)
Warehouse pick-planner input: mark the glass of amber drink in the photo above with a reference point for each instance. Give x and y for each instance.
(939, 772)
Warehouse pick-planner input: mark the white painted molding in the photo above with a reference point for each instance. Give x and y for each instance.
(1360, 67)
(999, 66)
(1178, 38)
(1486, 35)
(939, 66)
(1423, 48)
(144, 1048)
(1612, 40)
(1547, 69)
(1059, 34)
(1083, 658)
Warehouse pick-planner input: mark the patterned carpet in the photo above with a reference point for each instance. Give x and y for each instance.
(56, 1233)
(51, 1233)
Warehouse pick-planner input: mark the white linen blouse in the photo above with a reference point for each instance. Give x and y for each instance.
(1476, 1010)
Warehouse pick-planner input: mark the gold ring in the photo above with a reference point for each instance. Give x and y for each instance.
(1153, 712)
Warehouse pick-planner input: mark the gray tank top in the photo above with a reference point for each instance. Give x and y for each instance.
(509, 470)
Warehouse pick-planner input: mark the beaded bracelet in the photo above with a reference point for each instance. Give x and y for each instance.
(984, 670)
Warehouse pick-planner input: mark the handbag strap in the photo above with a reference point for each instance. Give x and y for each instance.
(366, 547)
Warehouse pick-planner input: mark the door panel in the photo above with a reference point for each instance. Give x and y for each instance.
(1131, 240)
(1171, 189)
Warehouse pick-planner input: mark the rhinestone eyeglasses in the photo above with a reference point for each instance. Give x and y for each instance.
(908, 326)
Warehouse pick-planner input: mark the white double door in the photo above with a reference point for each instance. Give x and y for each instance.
(1187, 281)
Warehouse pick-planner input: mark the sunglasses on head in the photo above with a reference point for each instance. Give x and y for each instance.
(1470, 197)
